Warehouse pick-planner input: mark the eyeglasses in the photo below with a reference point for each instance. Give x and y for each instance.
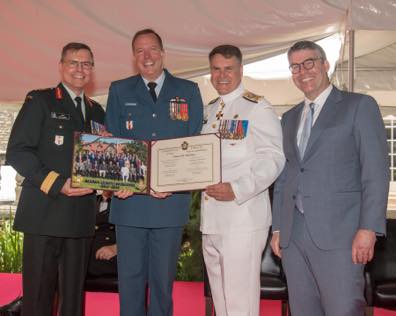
(74, 64)
(307, 64)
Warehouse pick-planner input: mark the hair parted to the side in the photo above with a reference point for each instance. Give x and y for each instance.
(227, 51)
(74, 46)
(307, 45)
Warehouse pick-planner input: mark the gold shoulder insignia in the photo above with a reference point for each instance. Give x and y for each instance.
(213, 101)
(250, 96)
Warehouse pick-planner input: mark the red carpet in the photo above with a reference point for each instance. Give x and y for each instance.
(188, 299)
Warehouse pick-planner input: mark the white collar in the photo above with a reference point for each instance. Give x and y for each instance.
(233, 95)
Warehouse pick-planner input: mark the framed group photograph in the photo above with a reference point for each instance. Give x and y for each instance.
(167, 165)
(110, 163)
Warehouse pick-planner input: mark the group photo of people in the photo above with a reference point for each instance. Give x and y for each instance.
(309, 185)
(100, 159)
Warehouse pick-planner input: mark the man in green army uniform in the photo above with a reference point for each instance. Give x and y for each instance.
(56, 219)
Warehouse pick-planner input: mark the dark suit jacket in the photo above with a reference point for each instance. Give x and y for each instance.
(41, 146)
(344, 175)
(105, 235)
(130, 101)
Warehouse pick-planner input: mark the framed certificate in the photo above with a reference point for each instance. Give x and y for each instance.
(168, 165)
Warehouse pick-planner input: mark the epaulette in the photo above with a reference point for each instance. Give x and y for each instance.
(213, 101)
(250, 96)
(30, 95)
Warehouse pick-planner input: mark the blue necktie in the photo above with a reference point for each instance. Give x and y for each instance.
(306, 132)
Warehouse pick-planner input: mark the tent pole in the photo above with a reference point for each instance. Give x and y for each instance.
(351, 60)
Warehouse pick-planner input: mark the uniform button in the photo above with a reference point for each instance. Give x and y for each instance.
(96, 227)
(302, 169)
(154, 115)
(153, 134)
(294, 197)
(107, 238)
(112, 227)
(206, 198)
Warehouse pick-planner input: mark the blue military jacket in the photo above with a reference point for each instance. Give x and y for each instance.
(131, 113)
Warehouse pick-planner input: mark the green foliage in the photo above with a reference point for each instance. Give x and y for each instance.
(139, 148)
(189, 267)
(10, 246)
(190, 264)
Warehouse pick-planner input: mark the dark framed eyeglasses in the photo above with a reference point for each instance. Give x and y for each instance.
(74, 64)
(307, 64)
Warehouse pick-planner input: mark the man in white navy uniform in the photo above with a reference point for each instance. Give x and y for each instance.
(236, 214)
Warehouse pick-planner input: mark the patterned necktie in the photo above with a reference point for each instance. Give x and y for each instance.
(306, 132)
(79, 109)
(152, 86)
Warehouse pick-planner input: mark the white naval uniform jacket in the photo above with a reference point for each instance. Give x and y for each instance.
(250, 164)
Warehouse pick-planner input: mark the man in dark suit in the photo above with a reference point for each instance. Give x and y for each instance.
(330, 200)
(56, 219)
(149, 106)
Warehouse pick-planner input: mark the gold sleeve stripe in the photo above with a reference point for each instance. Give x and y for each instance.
(48, 181)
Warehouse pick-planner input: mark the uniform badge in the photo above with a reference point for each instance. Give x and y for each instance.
(59, 140)
(129, 125)
(178, 109)
(129, 122)
(233, 129)
(219, 115)
(58, 93)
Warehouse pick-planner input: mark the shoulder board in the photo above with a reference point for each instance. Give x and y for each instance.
(30, 95)
(250, 96)
(213, 101)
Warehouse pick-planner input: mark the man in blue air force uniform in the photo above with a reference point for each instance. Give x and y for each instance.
(56, 219)
(149, 106)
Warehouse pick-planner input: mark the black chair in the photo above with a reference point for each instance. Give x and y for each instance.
(272, 282)
(272, 279)
(103, 283)
(380, 273)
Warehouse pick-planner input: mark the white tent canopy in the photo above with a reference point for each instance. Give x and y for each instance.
(33, 32)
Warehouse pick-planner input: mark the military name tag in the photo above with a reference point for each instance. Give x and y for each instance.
(60, 116)
(178, 109)
(59, 140)
(233, 129)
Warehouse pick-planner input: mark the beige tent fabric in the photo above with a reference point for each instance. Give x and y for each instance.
(33, 32)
